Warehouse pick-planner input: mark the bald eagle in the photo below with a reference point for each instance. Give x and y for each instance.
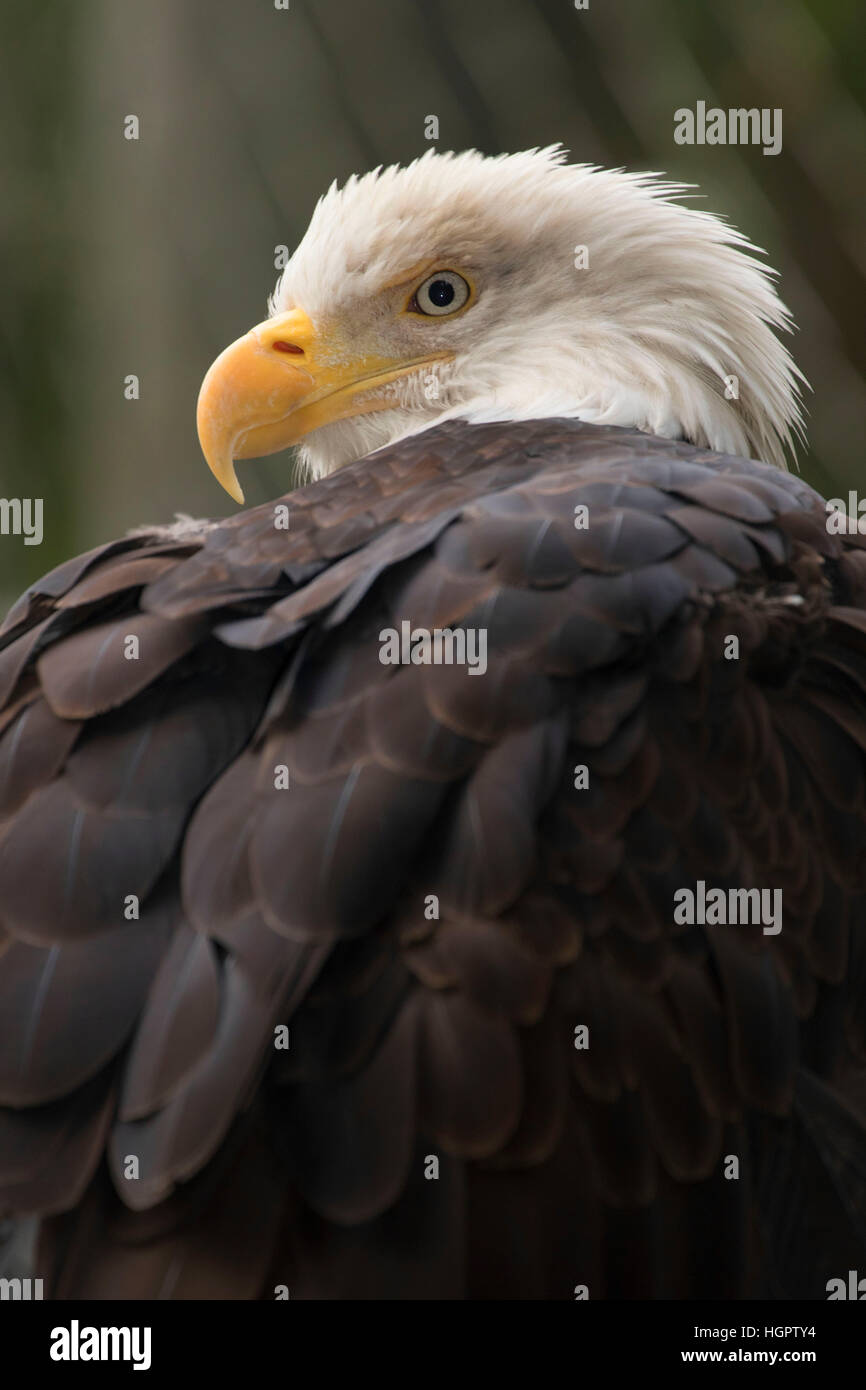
(448, 881)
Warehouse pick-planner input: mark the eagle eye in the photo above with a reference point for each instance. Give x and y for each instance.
(443, 292)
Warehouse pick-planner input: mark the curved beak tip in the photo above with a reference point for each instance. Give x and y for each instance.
(233, 487)
(217, 446)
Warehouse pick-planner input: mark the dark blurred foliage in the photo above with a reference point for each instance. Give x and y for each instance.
(148, 256)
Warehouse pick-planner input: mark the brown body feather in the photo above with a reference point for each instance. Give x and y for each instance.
(451, 1037)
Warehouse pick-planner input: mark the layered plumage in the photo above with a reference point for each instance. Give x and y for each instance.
(412, 1037)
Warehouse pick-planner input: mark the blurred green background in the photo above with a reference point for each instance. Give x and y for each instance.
(149, 256)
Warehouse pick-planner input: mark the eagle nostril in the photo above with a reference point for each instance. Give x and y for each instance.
(281, 346)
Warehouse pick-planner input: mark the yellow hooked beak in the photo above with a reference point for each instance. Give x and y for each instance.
(276, 384)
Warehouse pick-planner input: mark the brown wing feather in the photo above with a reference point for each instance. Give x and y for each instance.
(436, 903)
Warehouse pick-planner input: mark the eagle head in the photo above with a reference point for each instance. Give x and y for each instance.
(516, 287)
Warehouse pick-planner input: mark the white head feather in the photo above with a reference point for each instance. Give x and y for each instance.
(672, 305)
